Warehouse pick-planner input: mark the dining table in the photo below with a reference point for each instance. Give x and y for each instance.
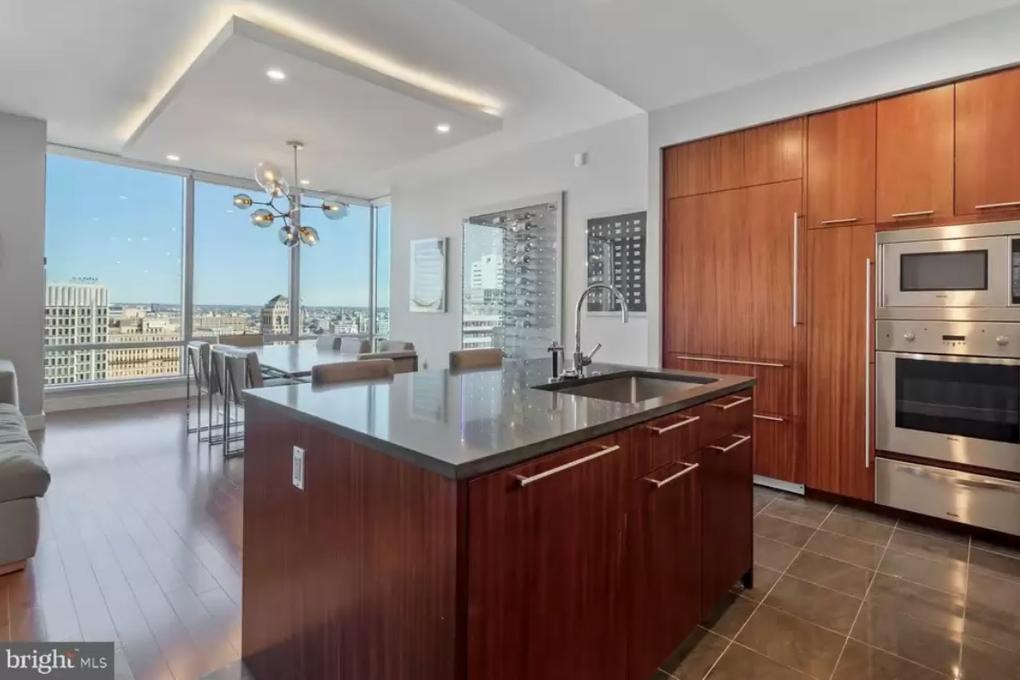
(295, 359)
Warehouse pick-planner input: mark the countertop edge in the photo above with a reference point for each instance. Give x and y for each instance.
(502, 459)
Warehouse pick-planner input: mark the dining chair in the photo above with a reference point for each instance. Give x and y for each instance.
(468, 359)
(353, 371)
(395, 346)
(352, 344)
(403, 361)
(197, 369)
(328, 342)
(243, 340)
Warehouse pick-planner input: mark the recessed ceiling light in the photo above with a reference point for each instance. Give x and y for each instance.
(276, 74)
(173, 157)
(305, 182)
(443, 128)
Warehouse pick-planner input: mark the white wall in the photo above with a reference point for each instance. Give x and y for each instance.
(22, 279)
(984, 43)
(615, 179)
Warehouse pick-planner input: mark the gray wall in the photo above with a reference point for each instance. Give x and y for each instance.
(984, 43)
(22, 229)
(615, 179)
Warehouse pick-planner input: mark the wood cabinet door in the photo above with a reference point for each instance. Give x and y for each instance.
(707, 300)
(915, 157)
(774, 152)
(841, 166)
(545, 565)
(773, 227)
(988, 145)
(664, 552)
(840, 345)
(726, 500)
(705, 165)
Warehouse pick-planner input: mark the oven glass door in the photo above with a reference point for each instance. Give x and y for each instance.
(959, 398)
(970, 272)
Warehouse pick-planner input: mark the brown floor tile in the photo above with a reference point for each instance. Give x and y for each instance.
(773, 555)
(995, 564)
(928, 545)
(764, 579)
(801, 510)
(814, 603)
(730, 615)
(943, 574)
(993, 610)
(792, 641)
(984, 661)
(927, 530)
(911, 621)
(782, 530)
(699, 651)
(739, 663)
(866, 555)
(860, 529)
(997, 548)
(759, 502)
(861, 662)
(825, 571)
(658, 675)
(867, 515)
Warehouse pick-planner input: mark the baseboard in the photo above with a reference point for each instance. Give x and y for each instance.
(36, 422)
(113, 395)
(779, 484)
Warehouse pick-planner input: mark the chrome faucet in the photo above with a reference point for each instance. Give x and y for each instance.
(580, 358)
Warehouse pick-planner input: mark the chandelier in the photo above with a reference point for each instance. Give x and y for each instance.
(272, 181)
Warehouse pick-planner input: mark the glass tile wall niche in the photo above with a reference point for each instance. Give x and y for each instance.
(512, 290)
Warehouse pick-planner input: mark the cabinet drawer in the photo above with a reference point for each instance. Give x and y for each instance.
(673, 438)
(725, 416)
(777, 448)
(778, 389)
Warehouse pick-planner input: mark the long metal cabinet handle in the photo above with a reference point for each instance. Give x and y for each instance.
(692, 357)
(525, 481)
(741, 438)
(659, 483)
(774, 419)
(845, 220)
(988, 206)
(737, 402)
(960, 481)
(796, 283)
(916, 213)
(867, 363)
(663, 430)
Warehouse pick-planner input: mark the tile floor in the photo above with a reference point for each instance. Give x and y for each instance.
(844, 594)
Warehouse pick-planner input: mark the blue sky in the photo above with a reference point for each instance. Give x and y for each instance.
(124, 227)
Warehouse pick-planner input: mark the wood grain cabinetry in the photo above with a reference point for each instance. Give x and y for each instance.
(774, 152)
(988, 145)
(840, 347)
(841, 166)
(713, 164)
(915, 157)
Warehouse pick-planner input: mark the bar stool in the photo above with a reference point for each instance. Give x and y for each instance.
(353, 371)
(470, 359)
(217, 386)
(197, 357)
(243, 371)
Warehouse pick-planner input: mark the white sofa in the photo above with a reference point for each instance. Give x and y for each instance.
(23, 479)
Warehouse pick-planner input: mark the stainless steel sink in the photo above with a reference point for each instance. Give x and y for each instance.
(629, 388)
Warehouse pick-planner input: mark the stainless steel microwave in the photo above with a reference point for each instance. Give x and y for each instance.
(965, 272)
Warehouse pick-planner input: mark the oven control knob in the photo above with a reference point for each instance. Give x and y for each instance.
(1002, 340)
(908, 336)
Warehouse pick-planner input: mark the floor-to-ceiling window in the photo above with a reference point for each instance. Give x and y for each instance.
(336, 273)
(113, 272)
(241, 272)
(121, 239)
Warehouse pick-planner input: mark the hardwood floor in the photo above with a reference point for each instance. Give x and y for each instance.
(141, 536)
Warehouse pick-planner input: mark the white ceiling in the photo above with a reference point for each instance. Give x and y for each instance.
(661, 52)
(103, 73)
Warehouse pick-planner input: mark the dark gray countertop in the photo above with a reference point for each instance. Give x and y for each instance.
(464, 425)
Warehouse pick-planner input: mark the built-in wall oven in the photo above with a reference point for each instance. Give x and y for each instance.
(947, 366)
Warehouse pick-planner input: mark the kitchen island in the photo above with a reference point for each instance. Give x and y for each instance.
(489, 526)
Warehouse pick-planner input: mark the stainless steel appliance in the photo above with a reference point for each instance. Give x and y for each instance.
(947, 366)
